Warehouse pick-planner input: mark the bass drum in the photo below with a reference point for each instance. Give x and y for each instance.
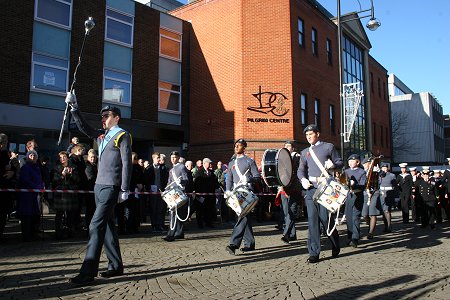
(277, 167)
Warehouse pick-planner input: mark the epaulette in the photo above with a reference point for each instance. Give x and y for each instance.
(117, 139)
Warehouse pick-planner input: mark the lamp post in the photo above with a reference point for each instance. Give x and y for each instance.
(372, 25)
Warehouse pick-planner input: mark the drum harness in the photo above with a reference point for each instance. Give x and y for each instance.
(325, 175)
(176, 180)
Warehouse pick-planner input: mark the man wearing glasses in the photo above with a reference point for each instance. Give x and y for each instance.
(113, 182)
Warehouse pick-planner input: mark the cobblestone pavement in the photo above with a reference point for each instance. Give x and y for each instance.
(409, 263)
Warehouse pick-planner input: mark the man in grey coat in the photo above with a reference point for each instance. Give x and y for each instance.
(112, 183)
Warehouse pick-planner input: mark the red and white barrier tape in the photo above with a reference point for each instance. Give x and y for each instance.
(91, 192)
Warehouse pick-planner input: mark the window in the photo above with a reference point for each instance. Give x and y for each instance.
(57, 12)
(374, 134)
(329, 53)
(332, 120)
(314, 42)
(49, 74)
(304, 112)
(170, 44)
(119, 28)
(301, 33)
(169, 97)
(379, 87)
(117, 87)
(317, 112)
(381, 136)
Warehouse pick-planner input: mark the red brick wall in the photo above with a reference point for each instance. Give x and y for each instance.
(380, 109)
(16, 40)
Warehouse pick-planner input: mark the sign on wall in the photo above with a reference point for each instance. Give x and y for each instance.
(269, 103)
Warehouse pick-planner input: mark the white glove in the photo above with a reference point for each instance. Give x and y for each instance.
(329, 164)
(376, 169)
(352, 182)
(124, 195)
(71, 100)
(305, 183)
(227, 194)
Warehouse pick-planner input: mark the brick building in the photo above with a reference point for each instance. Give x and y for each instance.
(263, 71)
(133, 58)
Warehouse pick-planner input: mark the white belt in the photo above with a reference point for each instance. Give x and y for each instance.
(386, 188)
(316, 179)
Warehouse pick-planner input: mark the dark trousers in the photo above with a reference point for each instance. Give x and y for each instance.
(90, 208)
(69, 222)
(178, 229)
(317, 214)
(288, 205)
(5, 207)
(243, 231)
(353, 208)
(205, 212)
(157, 211)
(27, 224)
(404, 201)
(428, 214)
(102, 231)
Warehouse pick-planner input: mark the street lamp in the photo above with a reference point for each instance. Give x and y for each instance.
(372, 25)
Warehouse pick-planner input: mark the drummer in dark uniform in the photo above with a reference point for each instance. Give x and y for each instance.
(356, 179)
(290, 197)
(182, 177)
(309, 174)
(242, 170)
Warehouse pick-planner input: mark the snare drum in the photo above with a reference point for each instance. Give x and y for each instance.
(242, 200)
(277, 167)
(174, 197)
(331, 194)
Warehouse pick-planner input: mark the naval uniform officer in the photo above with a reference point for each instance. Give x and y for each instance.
(428, 194)
(405, 182)
(353, 206)
(113, 180)
(242, 170)
(309, 173)
(181, 176)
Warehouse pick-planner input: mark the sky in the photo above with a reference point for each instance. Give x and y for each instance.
(413, 41)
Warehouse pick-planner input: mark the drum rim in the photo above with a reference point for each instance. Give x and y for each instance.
(292, 167)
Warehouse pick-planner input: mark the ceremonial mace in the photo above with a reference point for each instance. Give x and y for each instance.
(88, 25)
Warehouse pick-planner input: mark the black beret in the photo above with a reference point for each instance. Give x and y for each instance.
(289, 143)
(176, 153)
(111, 108)
(366, 160)
(241, 141)
(311, 127)
(384, 164)
(354, 157)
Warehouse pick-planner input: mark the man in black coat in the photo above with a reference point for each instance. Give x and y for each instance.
(205, 182)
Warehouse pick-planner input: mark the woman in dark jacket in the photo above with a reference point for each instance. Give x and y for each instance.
(65, 178)
(28, 205)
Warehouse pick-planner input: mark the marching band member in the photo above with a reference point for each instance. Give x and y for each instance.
(372, 204)
(309, 174)
(181, 176)
(353, 206)
(113, 181)
(289, 198)
(388, 182)
(241, 170)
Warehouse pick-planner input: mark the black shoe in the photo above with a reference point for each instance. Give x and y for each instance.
(353, 243)
(370, 236)
(285, 239)
(387, 230)
(335, 252)
(169, 238)
(179, 237)
(111, 273)
(313, 259)
(294, 238)
(82, 279)
(432, 226)
(247, 249)
(231, 249)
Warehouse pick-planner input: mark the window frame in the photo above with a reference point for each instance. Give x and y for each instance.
(119, 21)
(314, 42)
(34, 63)
(180, 41)
(170, 91)
(317, 112)
(130, 82)
(301, 33)
(332, 119)
(43, 20)
(329, 52)
(304, 110)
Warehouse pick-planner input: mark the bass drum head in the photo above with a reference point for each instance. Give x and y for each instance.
(269, 168)
(284, 166)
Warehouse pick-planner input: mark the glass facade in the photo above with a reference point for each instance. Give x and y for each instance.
(353, 64)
